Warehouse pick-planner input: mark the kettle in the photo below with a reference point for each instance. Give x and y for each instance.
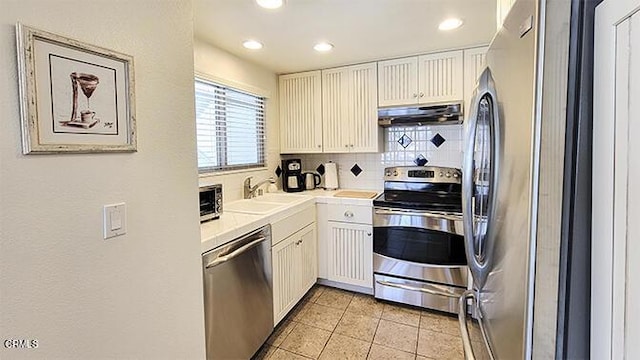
(311, 180)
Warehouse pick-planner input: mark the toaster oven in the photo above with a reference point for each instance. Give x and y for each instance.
(210, 202)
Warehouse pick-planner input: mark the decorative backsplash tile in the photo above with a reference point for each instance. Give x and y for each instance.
(405, 141)
(424, 143)
(437, 140)
(356, 170)
(420, 160)
(320, 169)
(278, 171)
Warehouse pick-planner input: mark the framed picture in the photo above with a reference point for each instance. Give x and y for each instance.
(75, 97)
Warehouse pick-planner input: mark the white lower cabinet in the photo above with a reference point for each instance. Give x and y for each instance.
(345, 246)
(350, 253)
(295, 269)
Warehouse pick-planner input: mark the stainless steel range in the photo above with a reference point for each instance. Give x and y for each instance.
(418, 241)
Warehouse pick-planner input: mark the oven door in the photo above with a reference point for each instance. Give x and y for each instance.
(419, 245)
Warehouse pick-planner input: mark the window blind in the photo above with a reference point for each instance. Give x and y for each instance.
(230, 126)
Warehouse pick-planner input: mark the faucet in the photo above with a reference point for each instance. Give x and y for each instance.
(250, 191)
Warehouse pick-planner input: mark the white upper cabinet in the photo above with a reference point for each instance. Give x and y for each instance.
(349, 109)
(300, 113)
(440, 77)
(421, 79)
(474, 63)
(398, 81)
(335, 110)
(366, 135)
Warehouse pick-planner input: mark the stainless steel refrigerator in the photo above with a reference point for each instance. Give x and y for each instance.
(498, 188)
(527, 185)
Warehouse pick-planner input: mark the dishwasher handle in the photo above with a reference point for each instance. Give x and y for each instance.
(224, 258)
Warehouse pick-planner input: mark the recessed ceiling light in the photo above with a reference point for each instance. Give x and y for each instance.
(252, 44)
(270, 4)
(450, 24)
(323, 47)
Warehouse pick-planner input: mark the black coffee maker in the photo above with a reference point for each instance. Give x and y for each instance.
(292, 180)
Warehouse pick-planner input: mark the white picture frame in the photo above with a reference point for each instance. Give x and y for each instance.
(75, 97)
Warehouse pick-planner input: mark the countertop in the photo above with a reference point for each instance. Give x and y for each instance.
(232, 225)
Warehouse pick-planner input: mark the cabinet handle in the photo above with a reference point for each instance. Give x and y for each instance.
(319, 146)
(351, 145)
(346, 145)
(368, 234)
(415, 95)
(421, 94)
(348, 214)
(298, 242)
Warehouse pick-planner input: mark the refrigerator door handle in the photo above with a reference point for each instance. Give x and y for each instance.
(464, 330)
(479, 248)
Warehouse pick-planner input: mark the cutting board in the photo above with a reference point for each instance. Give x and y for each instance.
(356, 194)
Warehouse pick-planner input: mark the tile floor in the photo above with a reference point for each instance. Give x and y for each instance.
(334, 324)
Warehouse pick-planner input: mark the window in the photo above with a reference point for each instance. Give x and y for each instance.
(230, 128)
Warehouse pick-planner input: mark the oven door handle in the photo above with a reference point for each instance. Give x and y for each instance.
(415, 213)
(438, 289)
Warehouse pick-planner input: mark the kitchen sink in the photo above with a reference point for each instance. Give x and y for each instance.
(278, 198)
(251, 206)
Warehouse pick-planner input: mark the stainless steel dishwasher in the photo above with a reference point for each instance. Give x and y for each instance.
(238, 296)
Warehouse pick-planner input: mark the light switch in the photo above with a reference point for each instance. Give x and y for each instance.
(115, 220)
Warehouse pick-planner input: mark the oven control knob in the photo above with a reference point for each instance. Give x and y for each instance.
(448, 174)
(348, 214)
(441, 174)
(388, 173)
(395, 173)
(455, 175)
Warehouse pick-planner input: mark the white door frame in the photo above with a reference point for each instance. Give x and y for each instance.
(610, 155)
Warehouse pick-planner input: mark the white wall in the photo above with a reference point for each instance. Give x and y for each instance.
(82, 297)
(217, 64)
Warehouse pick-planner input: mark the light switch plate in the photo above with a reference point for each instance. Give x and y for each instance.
(115, 220)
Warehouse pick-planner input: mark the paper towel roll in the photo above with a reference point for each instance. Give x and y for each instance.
(330, 176)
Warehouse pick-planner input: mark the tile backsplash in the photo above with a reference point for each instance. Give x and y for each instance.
(439, 145)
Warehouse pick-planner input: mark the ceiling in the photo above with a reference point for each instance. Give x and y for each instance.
(361, 30)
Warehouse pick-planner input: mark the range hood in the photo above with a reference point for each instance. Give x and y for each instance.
(427, 114)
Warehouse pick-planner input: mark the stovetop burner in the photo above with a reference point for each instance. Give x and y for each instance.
(431, 188)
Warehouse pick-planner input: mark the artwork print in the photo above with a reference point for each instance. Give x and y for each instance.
(83, 97)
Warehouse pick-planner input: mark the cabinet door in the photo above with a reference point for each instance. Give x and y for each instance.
(308, 258)
(300, 113)
(474, 63)
(351, 253)
(286, 276)
(397, 81)
(363, 108)
(440, 77)
(336, 133)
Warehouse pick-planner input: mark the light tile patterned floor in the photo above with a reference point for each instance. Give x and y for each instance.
(334, 324)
